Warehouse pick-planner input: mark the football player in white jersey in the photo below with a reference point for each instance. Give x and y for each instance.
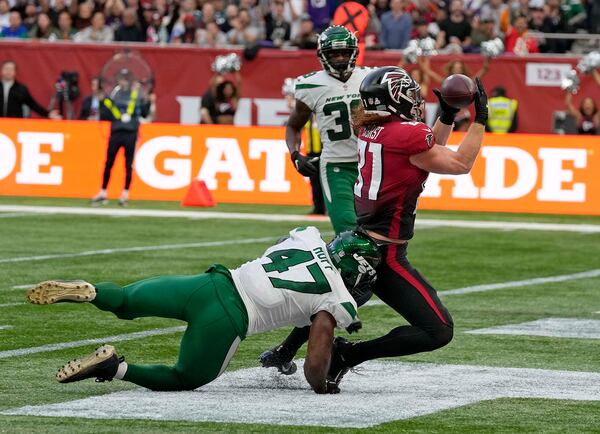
(331, 94)
(299, 281)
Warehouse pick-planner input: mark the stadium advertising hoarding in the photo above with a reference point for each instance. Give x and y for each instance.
(514, 173)
(533, 80)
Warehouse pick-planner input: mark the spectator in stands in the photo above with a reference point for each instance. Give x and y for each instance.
(396, 26)
(517, 39)
(30, 18)
(15, 28)
(499, 12)
(320, 14)
(594, 17)
(44, 29)
(207, 15)
(243, 33)
(540, 22)
(483, 30)
(255, 12)
(220, 15)
(421, 29)
(556, 15)
(83, 19)
(502, 116)
(307, 38)
(45, 7)
(278, 30)
(220, 101)
(4, 14)
(113, 11)
(157, 31)
(211, 36)
(130, 29)
(455, 30)
(293, 10)
(97, 32)
(587, 116)
(90, 107)
(65, 26)
(231, 13)
(14, 95)
(187, 35)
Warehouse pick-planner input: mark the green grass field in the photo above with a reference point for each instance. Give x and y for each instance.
(449, 257)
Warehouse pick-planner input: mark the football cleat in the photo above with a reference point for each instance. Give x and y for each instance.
(99, 200)
(59, 291)
(101, 364)
(278, 358)
(123, 202)
(338, 367)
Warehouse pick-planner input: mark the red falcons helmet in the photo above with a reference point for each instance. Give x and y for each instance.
(391, 90)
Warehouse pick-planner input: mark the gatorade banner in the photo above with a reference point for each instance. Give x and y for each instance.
(513, 173)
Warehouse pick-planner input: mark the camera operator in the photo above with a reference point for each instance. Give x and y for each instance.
(123, 108)
(14, 95)
(220, 101)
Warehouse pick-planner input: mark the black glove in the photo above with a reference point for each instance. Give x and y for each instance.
(447, 112)
(354, 327)
(481, 104)
(305, 165)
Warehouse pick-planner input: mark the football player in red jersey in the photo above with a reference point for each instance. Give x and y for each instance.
(397, 151)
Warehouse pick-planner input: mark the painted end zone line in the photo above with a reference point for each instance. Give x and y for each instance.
(472, 224)
(514, 284)
(81, 343)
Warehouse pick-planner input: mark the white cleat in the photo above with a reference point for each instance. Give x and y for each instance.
(60, 291)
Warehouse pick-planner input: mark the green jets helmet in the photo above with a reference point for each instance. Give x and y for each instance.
(355, 256)
(332, 40)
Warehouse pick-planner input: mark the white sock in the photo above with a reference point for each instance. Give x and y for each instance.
(102, 192)
(125, 194)
(122, 369)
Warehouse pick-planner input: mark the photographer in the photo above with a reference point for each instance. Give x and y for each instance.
(220, 101)
(123, 108)
(14, 95)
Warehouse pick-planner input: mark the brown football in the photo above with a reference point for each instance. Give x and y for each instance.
(458, 90)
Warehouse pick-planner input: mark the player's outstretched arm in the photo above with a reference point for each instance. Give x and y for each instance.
(440, 159)
(443, 125)
(318, 357)
(293, 131)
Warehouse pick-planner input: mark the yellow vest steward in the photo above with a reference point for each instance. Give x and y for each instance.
(501, 113)
(313, 140)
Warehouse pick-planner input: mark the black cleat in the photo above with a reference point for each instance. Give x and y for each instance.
(102, 364)
(99, 200)
(338, 367)
(278, 358)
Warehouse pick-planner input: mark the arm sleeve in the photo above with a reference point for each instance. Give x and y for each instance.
(305, 91)
(32, 104)
(420, 140)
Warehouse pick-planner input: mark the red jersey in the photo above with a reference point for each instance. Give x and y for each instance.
(388, 185)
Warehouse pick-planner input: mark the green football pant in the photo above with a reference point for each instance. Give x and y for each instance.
(338, 181)
(212, 335)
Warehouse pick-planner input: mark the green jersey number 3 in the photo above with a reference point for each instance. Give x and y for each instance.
(343, 129)
(283, 260)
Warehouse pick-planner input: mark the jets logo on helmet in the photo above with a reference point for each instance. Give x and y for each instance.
(331, 42)
(355, 256)
(391, 90)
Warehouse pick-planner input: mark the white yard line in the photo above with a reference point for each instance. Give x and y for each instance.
(138, 249)
(29, 285)
(468, 224)
(6, 327)
(512, 284)
(12, 304)
(17, 214)
(116, 338)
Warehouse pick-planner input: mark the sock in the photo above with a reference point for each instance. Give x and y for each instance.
(102, 192)
(296, 339)
(122, 369)
(125, 195)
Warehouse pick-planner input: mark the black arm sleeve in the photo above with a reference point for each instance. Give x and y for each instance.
(32, 104)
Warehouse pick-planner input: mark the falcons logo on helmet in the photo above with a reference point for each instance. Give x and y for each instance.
(398, 85)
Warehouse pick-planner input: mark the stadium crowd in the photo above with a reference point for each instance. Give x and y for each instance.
(456, 25)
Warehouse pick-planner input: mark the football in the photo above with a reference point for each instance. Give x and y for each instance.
(458, 90)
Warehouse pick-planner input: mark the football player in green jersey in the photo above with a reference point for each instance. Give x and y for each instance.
(299, 281)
